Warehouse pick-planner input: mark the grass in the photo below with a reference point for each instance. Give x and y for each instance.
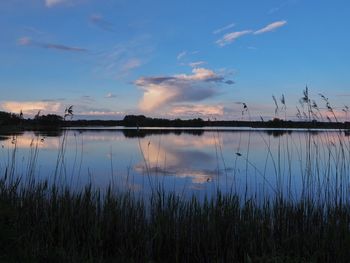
(42, 223)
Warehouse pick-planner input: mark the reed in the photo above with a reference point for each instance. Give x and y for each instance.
(45, 223)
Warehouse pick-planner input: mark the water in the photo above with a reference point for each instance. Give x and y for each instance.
(248, 162)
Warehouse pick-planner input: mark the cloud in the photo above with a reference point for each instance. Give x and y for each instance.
(227, 27)
(181, 55)
(124, 58)
(196, 64)
(178, 159)
(229, 82)
(201, 74)
(32, 107)
(231, 37)
(274, 10)
(101, 113)
(271, 27)
(131, 63)
(51, 3)
(159, 92)
(110, 96)
(100, 22)
(197, 110)
(63, 47)
(26, 41)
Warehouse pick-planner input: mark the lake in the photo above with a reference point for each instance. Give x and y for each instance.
(250, 162)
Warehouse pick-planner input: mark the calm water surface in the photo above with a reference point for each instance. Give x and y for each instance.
(250, 162)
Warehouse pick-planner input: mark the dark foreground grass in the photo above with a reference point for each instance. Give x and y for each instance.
(40, 223)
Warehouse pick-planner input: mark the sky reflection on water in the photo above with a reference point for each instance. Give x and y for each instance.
(252, 162)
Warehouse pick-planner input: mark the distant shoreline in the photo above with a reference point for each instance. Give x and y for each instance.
(183, 124)
(53, 122)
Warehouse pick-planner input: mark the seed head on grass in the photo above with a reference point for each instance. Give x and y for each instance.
(68, 112)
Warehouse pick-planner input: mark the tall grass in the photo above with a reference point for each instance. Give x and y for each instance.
(47, 224)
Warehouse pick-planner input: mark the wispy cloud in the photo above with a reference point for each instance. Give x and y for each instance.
(101, 22)
(51, 3)
(197, 64)
(274, 10)
(63, 47)
(26, 41)
(131, 63)
(123, 58)
(159, 92)
(231, 37)
(181, 55)
(227, 27)
(271, 27)
(110, 96)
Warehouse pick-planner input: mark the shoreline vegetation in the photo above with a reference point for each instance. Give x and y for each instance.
(13, 122)
(42, 223)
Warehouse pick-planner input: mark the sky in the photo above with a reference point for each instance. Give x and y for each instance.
(173, 59)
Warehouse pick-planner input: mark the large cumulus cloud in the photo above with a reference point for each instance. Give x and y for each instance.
(162, 91)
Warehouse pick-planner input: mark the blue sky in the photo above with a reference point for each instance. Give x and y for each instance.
(171, 58)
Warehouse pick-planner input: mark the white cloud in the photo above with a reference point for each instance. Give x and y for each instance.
(197, 110)
(110, 96)
(199, 74)
(32, 107)
(165, 91)
(231, 37)
(227, 27)
(196, 64)
(156, 95)
(51, 3)
(271, 27)
(181, 55)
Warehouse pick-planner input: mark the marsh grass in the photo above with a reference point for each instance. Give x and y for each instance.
(44, 223)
